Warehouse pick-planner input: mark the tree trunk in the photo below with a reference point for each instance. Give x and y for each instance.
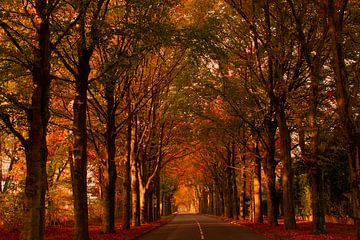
(109, 190)
(35, 146)
(36, 156)
(316, 173)
(135, 197)
(80, 148)
(269, 170)
(318, 200)
(272, 204)
(143, 201)
(287, 178)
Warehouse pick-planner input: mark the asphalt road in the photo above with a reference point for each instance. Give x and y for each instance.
(199, 227)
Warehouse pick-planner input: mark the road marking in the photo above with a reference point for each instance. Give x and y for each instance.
(200, 229)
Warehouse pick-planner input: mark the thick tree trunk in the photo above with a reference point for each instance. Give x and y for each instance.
(287, 178)
(318, 200)
(108, 221)
(36, 155)
(35, 146)
(272, 204)
(79, 180)
(316, 173)
(108, 201)
(143, 201)
(269, 170)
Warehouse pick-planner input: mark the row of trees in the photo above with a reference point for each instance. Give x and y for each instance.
(285, 92)
(86, 90)
(100, 96)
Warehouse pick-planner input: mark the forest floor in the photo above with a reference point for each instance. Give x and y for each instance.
(303, 231)
(67, 232)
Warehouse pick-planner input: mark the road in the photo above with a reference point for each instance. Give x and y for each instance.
(200, 227)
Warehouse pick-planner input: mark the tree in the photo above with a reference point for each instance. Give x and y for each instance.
(30, 49)
(87, 36)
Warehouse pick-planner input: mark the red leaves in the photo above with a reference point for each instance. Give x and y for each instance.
(303, 231)
(66, 233)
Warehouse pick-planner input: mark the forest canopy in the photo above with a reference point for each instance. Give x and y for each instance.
(129, 110)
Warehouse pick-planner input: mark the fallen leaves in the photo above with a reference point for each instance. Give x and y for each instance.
(66, 232)
(303, 231)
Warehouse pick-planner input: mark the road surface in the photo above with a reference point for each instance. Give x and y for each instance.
(199, 227)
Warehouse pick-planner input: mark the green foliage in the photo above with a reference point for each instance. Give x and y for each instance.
(169, 185)
(303, 195)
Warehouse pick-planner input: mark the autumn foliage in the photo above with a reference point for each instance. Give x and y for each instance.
(116, 113)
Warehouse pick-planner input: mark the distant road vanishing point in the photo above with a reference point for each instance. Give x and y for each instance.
(200, 227)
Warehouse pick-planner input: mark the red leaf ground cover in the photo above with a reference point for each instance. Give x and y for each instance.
(66, 232)
(303, 231)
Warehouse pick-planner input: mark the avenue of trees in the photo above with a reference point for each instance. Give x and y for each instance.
(107, 106)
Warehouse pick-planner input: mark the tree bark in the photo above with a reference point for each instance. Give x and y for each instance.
(269, 170)
(143, 202)
(135, 195)
(80, 148)
(108, 221)
(35, 145)
(287, 177)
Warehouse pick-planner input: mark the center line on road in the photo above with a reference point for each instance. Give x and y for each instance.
(200, 229)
